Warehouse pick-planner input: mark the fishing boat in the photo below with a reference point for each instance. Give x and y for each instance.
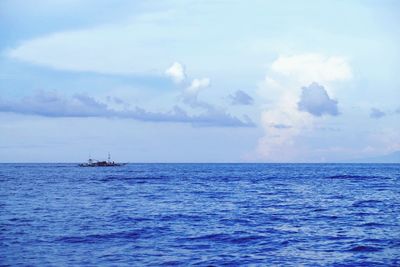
(96, 163)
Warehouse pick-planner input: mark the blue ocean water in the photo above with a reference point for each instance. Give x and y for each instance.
(200, 214)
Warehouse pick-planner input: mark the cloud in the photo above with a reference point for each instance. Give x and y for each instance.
(316, 101)
(176, 72)
(241, 98)
(290, 113)
(197, 85)
(307, 68)
(190, 94)
(376, 113)
(51, 104)
(211, 115)
(280, 126)
(116, 100)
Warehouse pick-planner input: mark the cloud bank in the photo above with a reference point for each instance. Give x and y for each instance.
(50, 104)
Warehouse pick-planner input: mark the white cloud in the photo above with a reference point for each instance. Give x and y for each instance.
(282, 89)
(308, 68)
(176, 72)
(190, 94)
(142, 44)
(197, 85)
(147, 41)
(135, 46)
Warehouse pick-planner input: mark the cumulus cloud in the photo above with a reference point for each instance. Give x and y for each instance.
(241, 98)
(307, 68)
(212, 115)
(197, 85)
(289, 112)
(190, 97)
(176, 72)
(50, 104)
(376, 113)
(190, 94)
(316, 101)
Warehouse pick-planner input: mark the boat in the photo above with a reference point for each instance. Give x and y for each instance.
(96, 163)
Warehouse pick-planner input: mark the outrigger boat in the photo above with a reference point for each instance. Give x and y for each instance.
(96, 163)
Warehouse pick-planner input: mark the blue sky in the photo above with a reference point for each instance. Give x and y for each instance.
(199, 81)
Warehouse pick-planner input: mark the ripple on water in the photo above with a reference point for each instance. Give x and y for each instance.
(130, 235)
(362, 248)
(204, 214)
(367, 203)
(354, 177)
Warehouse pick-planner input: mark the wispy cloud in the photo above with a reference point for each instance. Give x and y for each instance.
(51, 104)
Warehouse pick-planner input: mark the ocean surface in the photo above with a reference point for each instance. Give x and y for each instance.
(200, 214)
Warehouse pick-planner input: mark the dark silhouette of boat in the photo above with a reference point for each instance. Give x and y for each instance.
(96, 163)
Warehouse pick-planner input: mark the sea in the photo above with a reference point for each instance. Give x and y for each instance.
(200, 215)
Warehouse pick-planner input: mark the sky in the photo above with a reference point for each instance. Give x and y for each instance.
(199, 81)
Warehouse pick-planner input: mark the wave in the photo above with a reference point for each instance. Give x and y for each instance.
(180, 217)
(365, 249)
(133, 235)
(353, 176)
(148, 215)
(367, 203)
(373, 224)
(132, 178)
(226, 238)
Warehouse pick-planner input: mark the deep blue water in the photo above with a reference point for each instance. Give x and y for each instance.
(200, 214)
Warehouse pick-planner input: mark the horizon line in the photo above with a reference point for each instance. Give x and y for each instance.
(156, 162)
